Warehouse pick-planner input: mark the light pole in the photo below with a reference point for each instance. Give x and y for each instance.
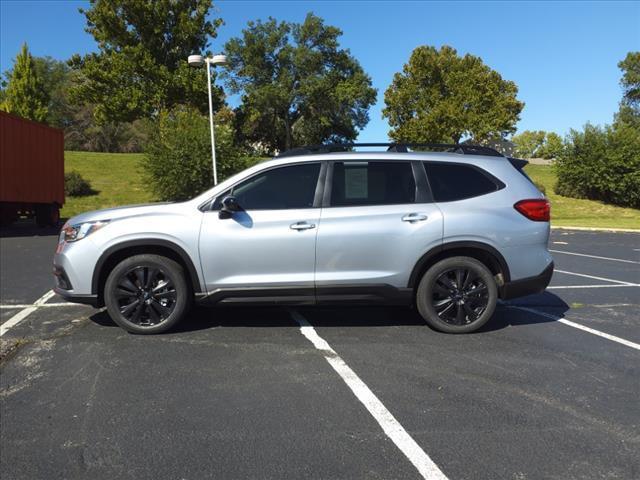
(196, 61)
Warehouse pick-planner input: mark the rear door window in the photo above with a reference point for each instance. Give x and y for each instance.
(450, 182)
(372, 183)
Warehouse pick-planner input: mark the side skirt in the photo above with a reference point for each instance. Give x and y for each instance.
(377, 294)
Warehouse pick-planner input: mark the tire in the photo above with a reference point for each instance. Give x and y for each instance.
(447, 308)
(54, 215)
(47, 215)
(42, 215)
(130, 298)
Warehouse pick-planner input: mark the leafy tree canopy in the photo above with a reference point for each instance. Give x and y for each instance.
(297, 85)
(528, 143)
(537, 144)
(141, 67)
(25, 94)
(442, 97)
(630, 80)
(630, 105)
(178, 155)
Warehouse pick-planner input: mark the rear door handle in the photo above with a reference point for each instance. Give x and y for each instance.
(414, 217)
(301, 226)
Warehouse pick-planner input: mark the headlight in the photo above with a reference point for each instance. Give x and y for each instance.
(72, 233)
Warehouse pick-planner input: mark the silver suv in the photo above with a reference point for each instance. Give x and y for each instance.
(447, 232)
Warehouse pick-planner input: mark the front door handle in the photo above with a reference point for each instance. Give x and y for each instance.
(414, 217)
(301, 226)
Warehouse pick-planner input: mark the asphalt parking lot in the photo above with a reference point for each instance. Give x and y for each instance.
(549, 388)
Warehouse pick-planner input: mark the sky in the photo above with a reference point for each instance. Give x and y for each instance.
(562, 55)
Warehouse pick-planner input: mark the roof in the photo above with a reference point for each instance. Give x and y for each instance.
(456, 148)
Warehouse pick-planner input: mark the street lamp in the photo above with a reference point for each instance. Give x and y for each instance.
(197, 61)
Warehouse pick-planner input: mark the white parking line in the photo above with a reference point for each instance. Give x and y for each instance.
(591, 286)
(21, 315)
(598, 278)
(594, 256)
(391, 427)
(569, 323)
(9, 306)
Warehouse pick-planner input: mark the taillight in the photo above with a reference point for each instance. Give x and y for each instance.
(536, 209)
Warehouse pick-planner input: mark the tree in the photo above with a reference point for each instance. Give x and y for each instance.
(528, 143)
(630, 82)
(552, 146)
(25, 95)
(56, 80)
(601, 163)
(537, 144)
(297, 85)
(178, 156)
(141, 67)
(442, 97)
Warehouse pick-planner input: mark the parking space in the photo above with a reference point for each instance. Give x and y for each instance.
(354, 393)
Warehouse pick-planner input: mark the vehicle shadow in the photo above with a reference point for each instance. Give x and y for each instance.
(507, 314)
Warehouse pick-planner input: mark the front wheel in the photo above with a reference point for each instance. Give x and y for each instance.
(457, 295)
(147, 294)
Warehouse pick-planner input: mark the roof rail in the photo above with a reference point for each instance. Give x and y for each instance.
(462, 148)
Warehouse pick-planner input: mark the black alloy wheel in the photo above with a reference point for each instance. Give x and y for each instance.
(460, 296)
(147, 294)
(457, 295)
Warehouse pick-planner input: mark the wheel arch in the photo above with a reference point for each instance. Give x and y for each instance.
(482, 252)
(116, 253)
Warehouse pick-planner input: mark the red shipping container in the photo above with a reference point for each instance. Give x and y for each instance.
(31, 167)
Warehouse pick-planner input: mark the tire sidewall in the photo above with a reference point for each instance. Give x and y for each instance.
(173, 269)
(424, 294)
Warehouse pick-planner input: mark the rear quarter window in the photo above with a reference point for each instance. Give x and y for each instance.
(450, 181)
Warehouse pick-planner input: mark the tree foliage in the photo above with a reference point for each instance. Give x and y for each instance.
(178, 154)
(537, 144)
(141, 67)
(601, 164)
(442, 97)
(25, 94)
(297, 85)
(630, 82)
(604, 163)
(552, 146)
(528, 143)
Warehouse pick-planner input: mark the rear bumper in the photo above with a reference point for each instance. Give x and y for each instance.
(527, 286)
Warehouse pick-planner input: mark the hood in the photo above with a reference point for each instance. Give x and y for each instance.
(123, 212)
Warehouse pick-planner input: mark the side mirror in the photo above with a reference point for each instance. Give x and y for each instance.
(229, 205)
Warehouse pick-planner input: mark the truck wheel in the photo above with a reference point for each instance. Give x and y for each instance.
(147, 294)
(54, 215)
(457, 295)
(8, 215)
(47, 215)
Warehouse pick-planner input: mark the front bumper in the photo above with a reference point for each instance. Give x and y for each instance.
(73, 270)
(527, 286)
(77, 298)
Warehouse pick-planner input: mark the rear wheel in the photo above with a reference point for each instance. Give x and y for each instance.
(47, 215)
(147, 294)
(457, 295)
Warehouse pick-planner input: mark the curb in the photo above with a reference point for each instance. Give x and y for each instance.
(597, 229)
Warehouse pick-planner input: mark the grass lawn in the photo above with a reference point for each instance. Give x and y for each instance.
(573, 212)
(118, 178)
